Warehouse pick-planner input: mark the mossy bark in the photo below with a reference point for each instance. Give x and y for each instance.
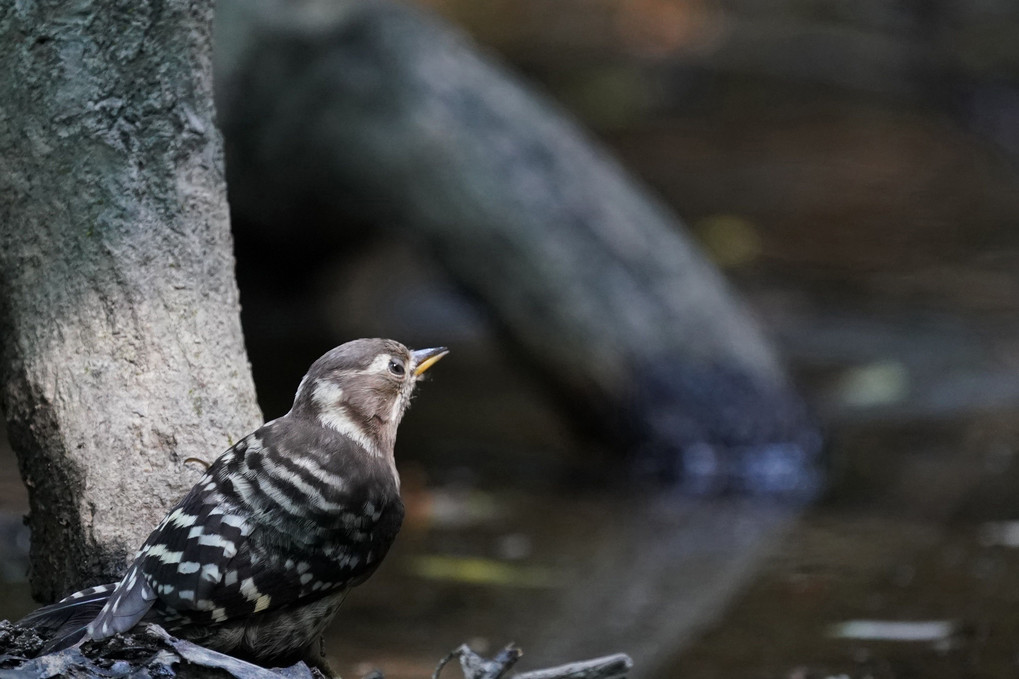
(121, 351)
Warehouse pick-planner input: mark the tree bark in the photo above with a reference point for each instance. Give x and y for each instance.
(122, 353)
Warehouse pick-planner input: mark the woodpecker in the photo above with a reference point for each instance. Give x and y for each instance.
(256, 558)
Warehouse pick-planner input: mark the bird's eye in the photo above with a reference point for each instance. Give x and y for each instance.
(396, 368)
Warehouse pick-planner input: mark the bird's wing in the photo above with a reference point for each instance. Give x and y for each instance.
(262, 530)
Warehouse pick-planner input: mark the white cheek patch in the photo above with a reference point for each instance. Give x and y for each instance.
(327, 396)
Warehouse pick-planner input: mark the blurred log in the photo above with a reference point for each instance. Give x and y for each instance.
(344, 111)
(120, 343)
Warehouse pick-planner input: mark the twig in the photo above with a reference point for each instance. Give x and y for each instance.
(205, 465)
(475, 667)
(609, 667)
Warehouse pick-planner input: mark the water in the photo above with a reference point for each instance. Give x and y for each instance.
(508, 538)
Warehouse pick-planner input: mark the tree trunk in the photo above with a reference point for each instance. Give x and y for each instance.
(122, 353)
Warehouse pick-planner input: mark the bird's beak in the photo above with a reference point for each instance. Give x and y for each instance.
(426, 358)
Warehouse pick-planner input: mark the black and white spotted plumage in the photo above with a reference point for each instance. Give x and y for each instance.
(259, 554)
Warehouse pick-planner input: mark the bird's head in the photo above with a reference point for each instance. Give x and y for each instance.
(362, 388)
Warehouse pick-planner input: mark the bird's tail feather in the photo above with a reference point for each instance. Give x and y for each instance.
(65, 621)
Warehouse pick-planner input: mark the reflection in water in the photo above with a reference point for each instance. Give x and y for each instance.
(654, 571)
(599, 573)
